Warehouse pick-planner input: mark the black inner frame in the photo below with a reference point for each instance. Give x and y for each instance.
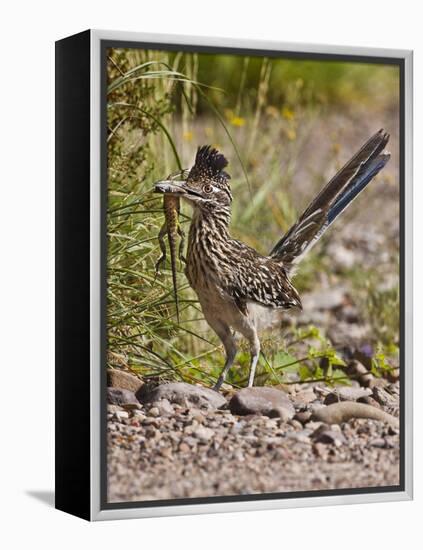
(398, 62)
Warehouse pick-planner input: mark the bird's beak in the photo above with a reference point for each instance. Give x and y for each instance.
(170, 187)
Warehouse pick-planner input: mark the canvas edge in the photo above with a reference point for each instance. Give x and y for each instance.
(95, 246)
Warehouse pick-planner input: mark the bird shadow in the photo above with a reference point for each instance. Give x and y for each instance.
(46, 497)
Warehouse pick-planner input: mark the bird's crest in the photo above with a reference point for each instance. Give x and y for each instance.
(209, 165)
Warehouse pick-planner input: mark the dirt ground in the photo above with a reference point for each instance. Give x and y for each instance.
(187, 452)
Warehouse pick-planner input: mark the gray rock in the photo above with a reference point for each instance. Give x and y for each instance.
(120, 396)
(165, 408)
(262, 400)
(347, 394)
(117, 378)
(183, 394)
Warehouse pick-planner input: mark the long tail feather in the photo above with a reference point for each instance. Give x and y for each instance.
(342, 189)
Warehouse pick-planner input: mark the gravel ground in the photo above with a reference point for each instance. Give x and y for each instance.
(166, 451)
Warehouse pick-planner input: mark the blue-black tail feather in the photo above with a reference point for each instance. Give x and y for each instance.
(342, 189)
(357, 185)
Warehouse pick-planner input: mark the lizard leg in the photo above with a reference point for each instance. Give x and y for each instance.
(162, 244)
(181, 245)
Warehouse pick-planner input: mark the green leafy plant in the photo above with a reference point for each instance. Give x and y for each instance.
(161, 106)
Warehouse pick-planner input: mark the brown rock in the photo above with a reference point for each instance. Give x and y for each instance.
(303, 416)
(117, 378)
(262, 400)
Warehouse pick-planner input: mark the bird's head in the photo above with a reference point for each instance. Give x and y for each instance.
(206, 186)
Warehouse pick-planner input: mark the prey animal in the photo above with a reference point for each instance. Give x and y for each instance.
(172, 228)
(232, 280)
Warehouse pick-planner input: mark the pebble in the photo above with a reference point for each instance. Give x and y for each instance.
(121, 415)
(328, 436)
(184, 447)
(203, 434)
(295, 424)
(303, 416)
(379, 442)
(320, 449)
(154, 411)
(165, 408)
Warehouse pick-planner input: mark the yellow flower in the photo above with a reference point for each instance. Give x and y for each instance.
(288, 113)
(233, 119)
(237, 121)
(188, 136)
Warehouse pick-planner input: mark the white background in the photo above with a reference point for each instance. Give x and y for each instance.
(28, 32)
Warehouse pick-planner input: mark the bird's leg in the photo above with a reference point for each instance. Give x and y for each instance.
(162, 244)
(230, 356)
(228, 340)
(181, 245)
(254, 359)
(251, 335)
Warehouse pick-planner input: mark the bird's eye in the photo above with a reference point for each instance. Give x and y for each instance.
(208, 188)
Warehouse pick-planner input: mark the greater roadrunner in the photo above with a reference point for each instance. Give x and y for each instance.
(231, 278)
